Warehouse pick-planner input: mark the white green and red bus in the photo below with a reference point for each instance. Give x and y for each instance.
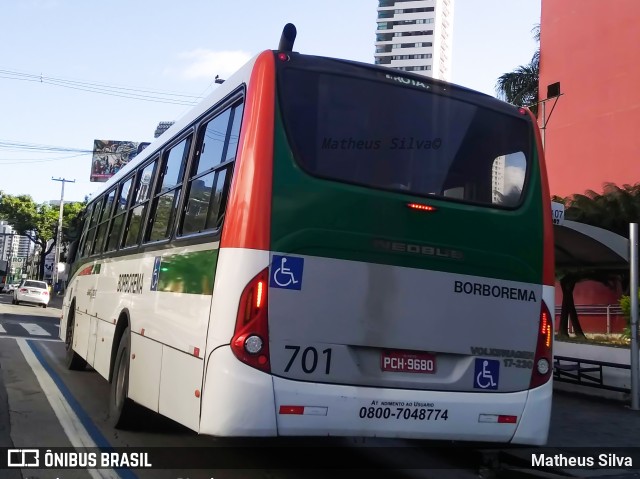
(324, 247)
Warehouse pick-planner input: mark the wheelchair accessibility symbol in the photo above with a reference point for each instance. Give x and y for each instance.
(286, 272)
(487, 374)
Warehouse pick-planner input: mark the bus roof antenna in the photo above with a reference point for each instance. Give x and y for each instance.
(287, 38)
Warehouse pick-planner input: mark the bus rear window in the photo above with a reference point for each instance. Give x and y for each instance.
(381, 135)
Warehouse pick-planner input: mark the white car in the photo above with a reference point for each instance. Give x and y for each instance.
(30, 291)
(8, 288)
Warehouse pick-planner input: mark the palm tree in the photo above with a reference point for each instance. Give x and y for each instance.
(520, 87)
(613, 209)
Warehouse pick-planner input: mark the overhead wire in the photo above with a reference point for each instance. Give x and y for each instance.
(142, 94)
(157, 96)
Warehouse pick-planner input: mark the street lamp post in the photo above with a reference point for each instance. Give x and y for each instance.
(59, 232)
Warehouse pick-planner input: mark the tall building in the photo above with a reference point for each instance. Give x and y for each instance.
(9, 241)
(14, 251)
(416, 36)
(590, 48)
(162, 127)
(592, 136)
(24, 247)
(497, 179)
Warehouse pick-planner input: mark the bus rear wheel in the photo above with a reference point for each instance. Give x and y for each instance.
(121, 408)
(72, 360)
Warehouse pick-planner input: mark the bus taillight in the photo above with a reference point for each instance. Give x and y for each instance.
(421, 207)
(250, 342)
(543, 357)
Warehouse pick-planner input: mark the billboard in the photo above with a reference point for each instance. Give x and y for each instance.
(109, 156)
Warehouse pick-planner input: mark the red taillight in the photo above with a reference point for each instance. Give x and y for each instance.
(22, 290)
(543, 359)
(420, 207)
(250, 342)
(46, 293)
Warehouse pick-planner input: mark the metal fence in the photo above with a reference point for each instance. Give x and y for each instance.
(585, 372)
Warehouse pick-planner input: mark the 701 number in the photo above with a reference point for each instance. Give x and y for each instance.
(309, 359)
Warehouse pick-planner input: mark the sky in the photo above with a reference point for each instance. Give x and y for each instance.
(69, 68)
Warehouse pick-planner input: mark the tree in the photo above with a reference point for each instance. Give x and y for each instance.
(520, 86)
(39, 222)
(613, 210)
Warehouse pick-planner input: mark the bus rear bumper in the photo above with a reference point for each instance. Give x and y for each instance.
(533, 426)
(325, 409)
(239, 400)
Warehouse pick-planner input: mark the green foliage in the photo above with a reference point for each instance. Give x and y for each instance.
(625, 305)
(39, 222)
(520, 86)
(28, 218)
(613, 209)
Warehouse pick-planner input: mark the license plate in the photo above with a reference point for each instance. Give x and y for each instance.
(408, 362)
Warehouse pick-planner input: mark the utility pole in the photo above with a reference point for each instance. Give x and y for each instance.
(633, 273)
(59, 234)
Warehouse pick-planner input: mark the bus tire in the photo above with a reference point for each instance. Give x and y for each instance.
(121, 408)
(72, 360)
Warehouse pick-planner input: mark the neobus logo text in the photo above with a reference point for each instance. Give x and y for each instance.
(130, 283)
(423, 250)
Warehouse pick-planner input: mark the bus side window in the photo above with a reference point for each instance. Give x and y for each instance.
(210, 177)
(91, 234)
(167, 194)
(85, 228)
(120, 209)
(139, 202)
(105, 218)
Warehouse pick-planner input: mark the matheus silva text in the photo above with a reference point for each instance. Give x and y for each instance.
(395, 143)
(560, 460)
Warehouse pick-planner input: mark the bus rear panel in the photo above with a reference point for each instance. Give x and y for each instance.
(407, 291)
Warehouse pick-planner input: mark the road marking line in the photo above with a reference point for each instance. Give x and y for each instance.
(71, 424)
(34, 329)
(2, 330)
(28, 337)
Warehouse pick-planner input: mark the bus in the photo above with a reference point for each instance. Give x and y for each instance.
(325, 247)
